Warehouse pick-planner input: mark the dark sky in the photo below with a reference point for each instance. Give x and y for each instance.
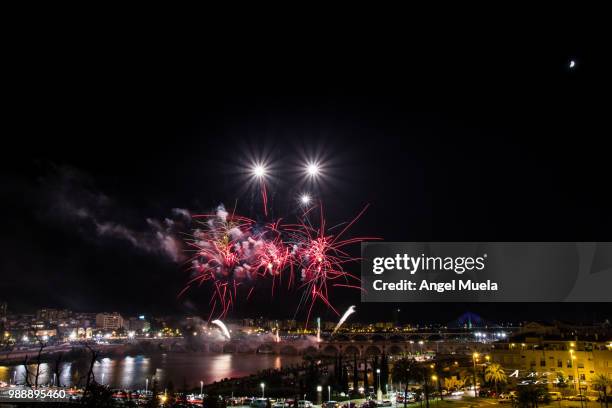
(459, 139)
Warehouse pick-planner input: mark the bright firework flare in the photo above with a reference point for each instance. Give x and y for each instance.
(313, 169)
(305, 199)
(223, 328)
(345, 316)
(259, 172)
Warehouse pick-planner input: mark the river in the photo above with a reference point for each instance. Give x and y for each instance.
(132, 372)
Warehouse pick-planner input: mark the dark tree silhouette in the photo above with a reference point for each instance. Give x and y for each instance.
(366, 386)
(405, 371)
(355, 374)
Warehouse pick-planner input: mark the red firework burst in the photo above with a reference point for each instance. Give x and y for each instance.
(321, 256)
(231, 251)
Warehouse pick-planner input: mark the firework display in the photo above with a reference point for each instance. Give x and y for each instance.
(233, 253)
(345, 316)
(223, 328)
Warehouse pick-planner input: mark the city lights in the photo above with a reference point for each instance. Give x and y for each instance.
(305, 199)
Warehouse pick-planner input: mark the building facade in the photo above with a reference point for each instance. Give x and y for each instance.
(109, 321)
(555, 360)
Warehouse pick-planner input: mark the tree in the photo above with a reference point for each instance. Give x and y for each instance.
(602, 384)
(453, 383)
(366, 386)
(562, 382)
(495, 374)
(425, 384)
(530, 395)
(384, 372)
(98, 395)
(57, 369)
(404, 370)
(355, 374)
(375, 373)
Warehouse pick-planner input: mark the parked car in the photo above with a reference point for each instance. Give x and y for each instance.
(259, 403)
(577, 397)
(384, 403)
(330, 404)
(555, 395)
(304, 404)
(349, 405)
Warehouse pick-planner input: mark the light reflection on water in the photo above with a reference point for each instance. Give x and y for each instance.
(132, 371)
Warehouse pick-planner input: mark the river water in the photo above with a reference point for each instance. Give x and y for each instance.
(132, 372)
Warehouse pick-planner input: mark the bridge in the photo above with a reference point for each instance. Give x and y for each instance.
(361, 346)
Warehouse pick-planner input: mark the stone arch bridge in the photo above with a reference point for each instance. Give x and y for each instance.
(358, 344)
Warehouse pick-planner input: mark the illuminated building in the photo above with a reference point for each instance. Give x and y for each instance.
(549, 358)
(109, 321)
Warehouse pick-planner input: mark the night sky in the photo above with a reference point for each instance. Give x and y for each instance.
(459, 140)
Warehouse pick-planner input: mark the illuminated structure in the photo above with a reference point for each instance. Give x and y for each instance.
(554, 359)
(109, 321)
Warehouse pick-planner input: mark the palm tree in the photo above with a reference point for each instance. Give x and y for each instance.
(602, 383)
(495, 374)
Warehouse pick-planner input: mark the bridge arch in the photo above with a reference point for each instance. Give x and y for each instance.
(244, 347)
(372, 351)
(415, 337)
(229, 348)
(215, 347)
(265, 349)
(351, 350)
(310, 350)
(289, 350)
(330, 350)
(395, 349)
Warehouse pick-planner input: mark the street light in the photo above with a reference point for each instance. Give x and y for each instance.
(378, 391)
(146, 385)
(474, 357)
(201, 388)
(263, 387)
(329, 393)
